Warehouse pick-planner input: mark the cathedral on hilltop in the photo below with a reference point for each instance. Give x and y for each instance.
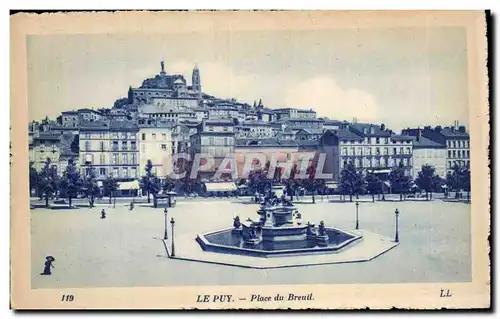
(165, 90)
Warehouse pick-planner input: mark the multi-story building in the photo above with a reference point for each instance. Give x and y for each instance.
(69, 152)
(94, 146)
(428, 152)
(292, 113)
(455, 138)
(110, 147)
(370, 148)
(45, 146)
(155, 144)
(215, 138)
(68, 119)
(89, 115)
(257, 129)
(124, 150)
(219, 112)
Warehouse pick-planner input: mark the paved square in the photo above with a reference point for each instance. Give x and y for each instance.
(126, 248)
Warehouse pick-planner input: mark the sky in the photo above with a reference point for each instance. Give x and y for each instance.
(402, 77)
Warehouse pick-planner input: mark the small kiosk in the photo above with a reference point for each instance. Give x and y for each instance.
(167, 199)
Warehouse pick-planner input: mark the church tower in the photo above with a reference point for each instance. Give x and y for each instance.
(196, 79)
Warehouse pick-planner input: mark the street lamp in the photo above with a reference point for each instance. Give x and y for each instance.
(172, 222)
(165, 237)
(357, 219)
(396, 213)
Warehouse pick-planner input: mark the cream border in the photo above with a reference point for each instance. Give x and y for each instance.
(376, 296)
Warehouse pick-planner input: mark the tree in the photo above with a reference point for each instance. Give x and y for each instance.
(147, 179)
(373, 185)
(34, 178)
(400, 182)
(351, 181)
(109, 187)
(465, 181)
(291, 183)
(71, 183)
(48, 181)
(453, 180)
(426, 179)
(90, 187)
(155, 186)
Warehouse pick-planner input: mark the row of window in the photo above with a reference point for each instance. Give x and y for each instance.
(125, 159)
(381, 162)
(115, 146)
(458, 144)
(458, 154)
(113, 135)
(375, 140)
(115, 172)
(452, 164)
(154, 136)
(368, 151)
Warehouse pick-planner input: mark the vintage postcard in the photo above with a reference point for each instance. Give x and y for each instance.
(250, 160)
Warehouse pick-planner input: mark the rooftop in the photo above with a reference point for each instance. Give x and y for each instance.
(423, 142)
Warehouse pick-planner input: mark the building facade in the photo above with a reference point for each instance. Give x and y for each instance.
(428, 152)
(155, 144)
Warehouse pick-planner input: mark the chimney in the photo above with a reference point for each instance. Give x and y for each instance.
(419, 133)
(382, 127)
(462, 129)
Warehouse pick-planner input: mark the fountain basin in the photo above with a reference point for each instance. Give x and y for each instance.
(230, 242)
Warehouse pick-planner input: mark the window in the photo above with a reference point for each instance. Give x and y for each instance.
(154, 136)
(163, 147)
(468, 155)
(124, 145)
(125, 171)
(211, 141)
(114, 135)
(133, 145)
(115, 171)
(386, 140)
(377, 150)
(123, 136)
(134, 158)
(87, 145)
(102, 171)
(458, 154)
(164, 136)
(404, 162)
(369, 151)
(344, 151)
(143, 137)
(360, 151)
(211, 128)
(101, 146)
(377, 140)
(449, 154)
(115, 159)
(133, 172)
(394, 151)
(132, 136)
(124, 159)
(102, 159)
(115, 145)
(225, 129)
(454, 154)
(408, 150)
(454, 144)
(401, 150)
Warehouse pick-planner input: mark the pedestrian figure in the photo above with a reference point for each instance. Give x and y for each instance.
(131, 206)
(114, 202)
(103, 214)
(48, 265)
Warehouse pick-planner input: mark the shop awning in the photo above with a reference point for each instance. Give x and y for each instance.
(379, 171)
(128, 185)
(220, 187)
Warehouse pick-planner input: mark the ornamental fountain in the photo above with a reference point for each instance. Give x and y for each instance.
(279, 231)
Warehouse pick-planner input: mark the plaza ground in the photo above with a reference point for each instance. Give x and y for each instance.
(126, 249)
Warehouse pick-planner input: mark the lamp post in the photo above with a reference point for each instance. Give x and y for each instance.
(165, 237)
(172, 222)
(357, 219)
(396, 213)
